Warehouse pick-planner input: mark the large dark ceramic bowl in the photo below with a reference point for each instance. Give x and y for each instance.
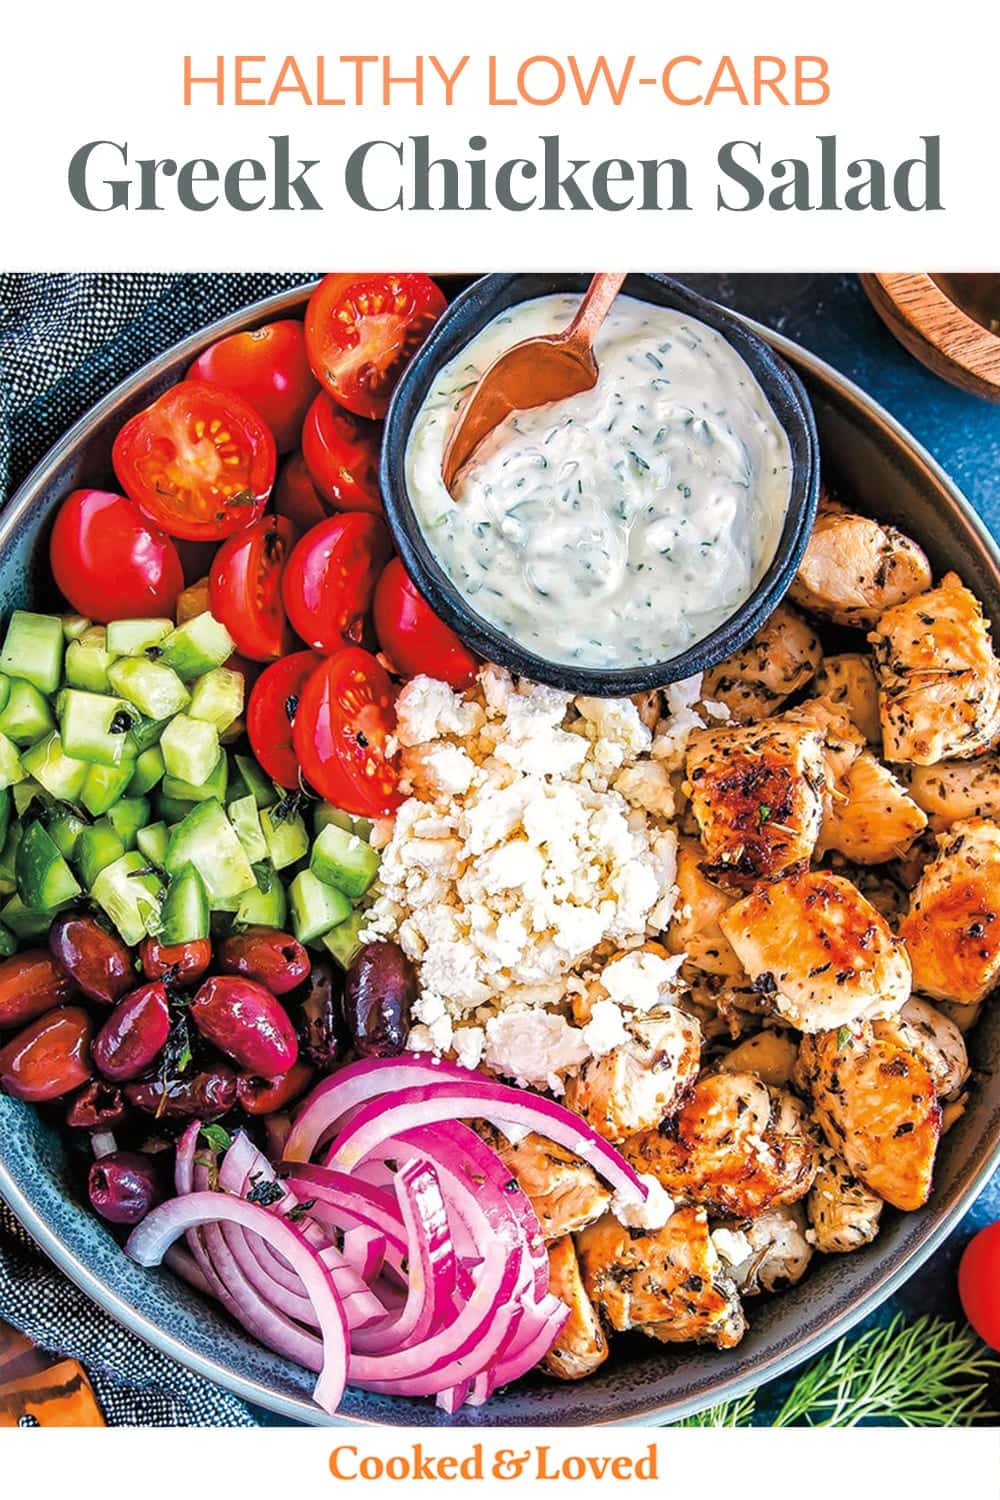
(890, 475)
(468, 314)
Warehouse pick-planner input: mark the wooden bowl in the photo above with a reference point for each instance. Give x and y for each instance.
(945, 322)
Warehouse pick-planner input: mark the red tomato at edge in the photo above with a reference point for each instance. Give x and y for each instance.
(412, 636)
(979, 1284)
(271, 712)
(269, 368)
(244, 588)
(341, 453)
(296, 496)
(343, 723)
(329, 579)
(110, 562)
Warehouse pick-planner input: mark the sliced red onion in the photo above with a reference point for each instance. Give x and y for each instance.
(364, 1249)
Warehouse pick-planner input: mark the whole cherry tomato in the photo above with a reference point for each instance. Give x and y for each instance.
(199, 461)
(979, 1284)
(268, 367)
(341, 454)
(361, 330)
(344, 721)
(271, 711)
(412, 636)
(295, 495)
(110, 562)
(329, 579)
(244, 587)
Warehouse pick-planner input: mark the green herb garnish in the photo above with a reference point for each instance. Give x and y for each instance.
(216, 1137)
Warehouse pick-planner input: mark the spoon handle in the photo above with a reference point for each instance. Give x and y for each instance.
(600, 294)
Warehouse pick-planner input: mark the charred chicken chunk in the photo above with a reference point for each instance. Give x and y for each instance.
(933, 1037)
(843, 1213)
(957, 789)
(823, 952)
(952, 930)
(874, 820)
(756, 680)
(581, 1346)
(670, 1283)
(694, 930)
(756, 792)
(939, 680)
(769, 1054)
(565, 1193)
(848, 681)
(636, 1085)
(854, 569)
(877, 1105)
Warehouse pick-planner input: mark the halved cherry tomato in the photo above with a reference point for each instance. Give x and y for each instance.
(361, 330)
(341, 454)
(244, 588)
(296, 497)
(199, 461)
(268, 367)
(110, 562)
(412, 636)
(330, 577)
(979, 1284)
(341, 734)
(271, 713)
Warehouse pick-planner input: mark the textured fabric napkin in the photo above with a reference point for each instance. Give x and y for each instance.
(65, 341)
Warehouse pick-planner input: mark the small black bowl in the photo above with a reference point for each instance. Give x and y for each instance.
(466, 316)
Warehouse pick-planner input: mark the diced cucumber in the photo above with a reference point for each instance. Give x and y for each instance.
(324, 813)
(65, 829)
(127, 816)
(131, 894)
(146, 733)
(73, 627)
(88, 660)
(152, 843)
(8, 942)
(11, 770)
(343, 860)
(25, 793)
(25, 922)
(148, 772)
(26, 716)
(265, 904)
(8, 854)
(44, 879)
(95, 727)
(315, 907)
(197, 646)
(286, 838)
(207, 840)
(134, 637)
(5, 815)
(260, 787)
(344, 941)
(245, 819)
(190, 749)
(61, 776)
(218, 697)
(33, 649)
(185, 911)
(171, 809)
(104, 785)
(97, 847)
(4, 690)
(213, 787)
(153, 687)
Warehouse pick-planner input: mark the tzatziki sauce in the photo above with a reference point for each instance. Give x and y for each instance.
(617, 527)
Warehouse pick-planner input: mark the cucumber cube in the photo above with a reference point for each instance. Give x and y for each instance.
(4, 691)
(261, 787)
(128, 815)
(65, 830)
(60, 774)
(94, 727)
(315, 907)
(145, 733)
(33, 649)
(8, 942)
(343, 860)
(265, 904)
(8, 854)
(197, 646)
(190, 749)
(343, 942)
(88, 660)
(245, 819)
(44, 879)
(135, 637)
(286, 838)
(148, 772)
(185, 911)
(171, 809)
(325, 813)
(25, 793)
(98, 846)
(11, 770)
(131, 895)
(218, 697)
(152, 843)
(156, 691)
(74, 626)
(5, 815)
(207, 840)
(26, 716)
(25, 922)
(186, 791)
(104, 785)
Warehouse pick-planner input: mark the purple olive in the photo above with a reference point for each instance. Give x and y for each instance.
(123, 1187)
(134, 1034)
(379, 992)
(100, 1106)
(272, 958)
(322, 1032)
(244, 1020)
(206, 1095)
(98, 962)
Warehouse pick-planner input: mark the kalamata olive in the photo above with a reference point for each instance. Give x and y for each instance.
(97, 961)
(134, 1034)
(379, 991)
(30, 984)
(49, 1058)
(262, 1096)
(272, 958)
(181, 963)
(207, 1095)
(123, 1187)
(244, 1020)
(322, 1032)
(100, 1106)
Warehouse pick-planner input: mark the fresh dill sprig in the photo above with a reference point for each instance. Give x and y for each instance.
(738, 1413)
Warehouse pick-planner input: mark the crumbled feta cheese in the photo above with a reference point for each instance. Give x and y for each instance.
(732, 1246)
(651, 1214)
(640, 980)
(606, 1028)
(533, 1047)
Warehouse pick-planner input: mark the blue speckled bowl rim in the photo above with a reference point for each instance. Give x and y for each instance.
(804, 1320)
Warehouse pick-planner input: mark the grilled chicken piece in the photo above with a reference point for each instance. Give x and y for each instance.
(695, 929)
(756, 680)
(877, 1105)
(952, 930)
(854, 569)
(737, 1147)
(769, 1054)
(957, 789)
(842, 743)
(581, 1346)
(650, 706)
(848, 681)
(939, 680)
(565, 1192)
(772, 1252)
(821, 949)
(637, 1085)
(964, 1016)
(843, 1213)
(879, 884)
(933, 1037)
(670, 1283)
(876, 821)
(756, 792)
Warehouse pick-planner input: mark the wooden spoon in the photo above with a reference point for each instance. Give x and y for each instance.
(532, 373)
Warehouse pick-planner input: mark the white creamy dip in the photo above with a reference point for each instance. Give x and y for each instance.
(619, 526)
